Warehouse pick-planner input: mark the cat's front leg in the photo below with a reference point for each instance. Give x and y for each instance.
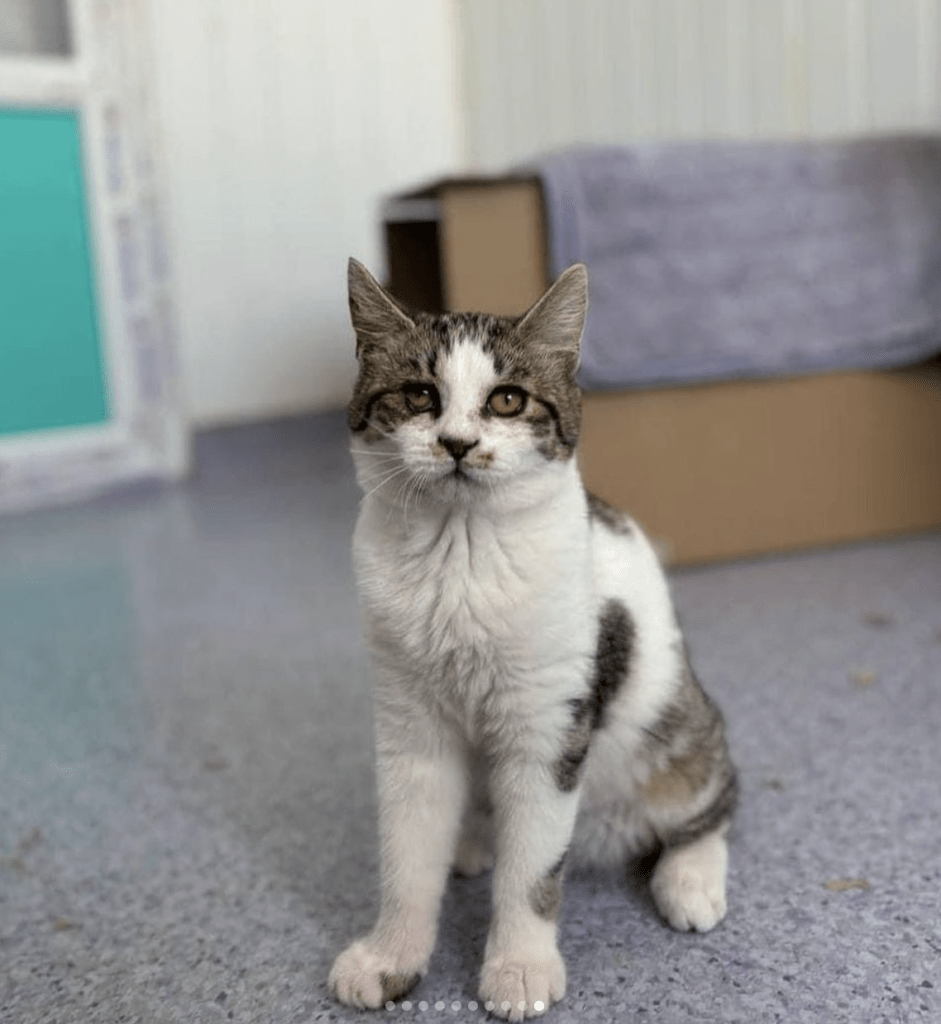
(422, 785)
(523, 971)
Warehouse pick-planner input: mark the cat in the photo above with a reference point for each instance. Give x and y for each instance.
(534, 702)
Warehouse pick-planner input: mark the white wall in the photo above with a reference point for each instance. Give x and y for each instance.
(283, 124)
(543, 73)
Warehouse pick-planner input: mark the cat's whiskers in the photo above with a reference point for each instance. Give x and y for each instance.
(401, 490)
(414, 492)
(396, 502)
(409, 487)
(387, 477)
(373, 454)
(383, 462)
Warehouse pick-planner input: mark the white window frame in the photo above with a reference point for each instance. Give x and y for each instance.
(105, 83)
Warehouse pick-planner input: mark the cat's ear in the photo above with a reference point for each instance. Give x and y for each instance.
(375, 314)
(557, 320)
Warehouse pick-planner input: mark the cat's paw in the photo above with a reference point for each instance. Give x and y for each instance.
(367, 977)
(518, 987)
(688, 884)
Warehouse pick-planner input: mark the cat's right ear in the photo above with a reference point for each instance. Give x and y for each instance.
(557, 320)
(375, 314)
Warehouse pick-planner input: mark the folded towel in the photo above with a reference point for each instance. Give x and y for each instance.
(720, 259)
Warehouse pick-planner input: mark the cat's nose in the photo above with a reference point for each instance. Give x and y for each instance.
(456, 447)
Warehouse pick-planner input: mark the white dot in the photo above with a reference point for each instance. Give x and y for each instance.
(390, 1005)
(455, 1005)
(472, 1005)
(539, 1006)
(439, 1005)
(521, 1006)
(423, 1005)
(505, 1005)
(488, 1005)
(406, 1005)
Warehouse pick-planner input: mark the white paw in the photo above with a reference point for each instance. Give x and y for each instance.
(688, 884)
(367, 977)
(514, 988)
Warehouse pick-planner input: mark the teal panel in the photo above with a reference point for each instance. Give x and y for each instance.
(51, 366)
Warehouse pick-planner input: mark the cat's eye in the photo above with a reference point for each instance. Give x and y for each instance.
(420, 398)
(508, 401)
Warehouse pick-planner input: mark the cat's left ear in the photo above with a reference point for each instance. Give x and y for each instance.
(375, 314)
(557, 320)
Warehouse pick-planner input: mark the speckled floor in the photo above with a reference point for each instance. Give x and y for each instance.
(186, 795)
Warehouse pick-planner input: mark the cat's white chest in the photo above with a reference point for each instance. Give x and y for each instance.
(470, 601)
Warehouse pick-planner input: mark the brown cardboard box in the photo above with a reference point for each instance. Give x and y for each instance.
(711, 471)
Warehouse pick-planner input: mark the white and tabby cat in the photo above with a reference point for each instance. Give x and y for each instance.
(534, 702)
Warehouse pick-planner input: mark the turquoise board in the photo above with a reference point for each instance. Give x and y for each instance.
(51, 365)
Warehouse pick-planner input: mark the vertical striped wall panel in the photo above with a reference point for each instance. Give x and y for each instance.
(543, 73)
(283, 125)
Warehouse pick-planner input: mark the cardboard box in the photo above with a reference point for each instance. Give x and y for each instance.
(712, 471)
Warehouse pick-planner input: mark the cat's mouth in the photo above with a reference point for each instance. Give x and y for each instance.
(460, 475)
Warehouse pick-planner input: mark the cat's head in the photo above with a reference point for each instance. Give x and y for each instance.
(459, 406)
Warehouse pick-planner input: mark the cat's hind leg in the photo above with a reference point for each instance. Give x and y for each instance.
(688, 883)
(689, 880)
(688, 800)
(474, 853)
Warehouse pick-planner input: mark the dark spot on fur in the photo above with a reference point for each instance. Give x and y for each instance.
(616, 633)
(542, 425)
(690, 714)
(568, 765)
(556, 870)
(607, 515)
(394, 986)
(558, 445)
(383, 411)
(668, 725)
(719, 811)
(612, 659)
(545, 897)
(689, 755)
(541, 422)
(440, 329)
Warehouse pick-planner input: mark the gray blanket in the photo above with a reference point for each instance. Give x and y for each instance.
(718, 259)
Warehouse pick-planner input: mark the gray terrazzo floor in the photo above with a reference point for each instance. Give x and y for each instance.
(186, 794)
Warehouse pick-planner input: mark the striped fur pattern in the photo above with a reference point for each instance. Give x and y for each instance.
(535, 705)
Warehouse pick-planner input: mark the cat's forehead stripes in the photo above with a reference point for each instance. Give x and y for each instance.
(444, 331)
